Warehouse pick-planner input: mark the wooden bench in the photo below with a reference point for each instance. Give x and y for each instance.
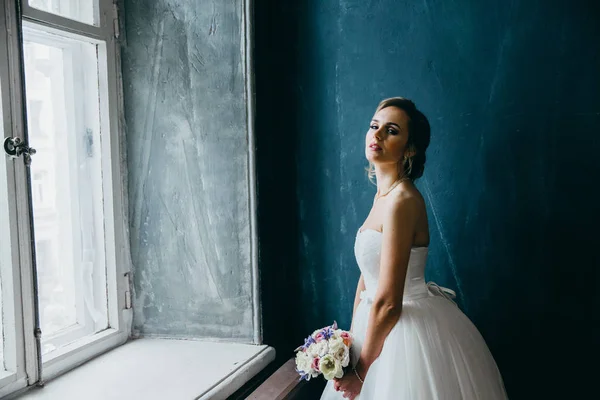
(284, 384)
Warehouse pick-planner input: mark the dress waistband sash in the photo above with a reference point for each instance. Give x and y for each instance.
(431, 289)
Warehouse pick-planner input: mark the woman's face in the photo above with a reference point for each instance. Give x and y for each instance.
(387, 136)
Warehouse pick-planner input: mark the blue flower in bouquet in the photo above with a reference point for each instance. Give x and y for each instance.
(323, 334)
(303, 376)
(308, 341)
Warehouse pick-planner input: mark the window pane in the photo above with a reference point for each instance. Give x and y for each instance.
(85, 11)
(61, 78)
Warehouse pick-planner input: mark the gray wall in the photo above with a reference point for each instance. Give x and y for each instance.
(187, 142)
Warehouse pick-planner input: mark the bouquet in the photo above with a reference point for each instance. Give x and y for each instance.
(326, 351)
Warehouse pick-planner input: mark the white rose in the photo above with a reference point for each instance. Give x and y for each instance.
(330, 367)
(311, 351)
(318, 349)
(335, 344)
(343, 356)
(303, 362)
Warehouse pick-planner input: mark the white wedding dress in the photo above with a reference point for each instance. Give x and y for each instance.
(434, 352)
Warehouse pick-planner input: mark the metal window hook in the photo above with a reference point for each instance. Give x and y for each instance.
(15, 147)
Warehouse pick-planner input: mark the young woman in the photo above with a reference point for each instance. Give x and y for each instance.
(411, 341)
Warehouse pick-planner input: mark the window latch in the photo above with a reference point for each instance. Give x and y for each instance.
(15, 147)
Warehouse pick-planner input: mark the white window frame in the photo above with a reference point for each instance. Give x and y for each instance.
(19, 295)
(26, 371)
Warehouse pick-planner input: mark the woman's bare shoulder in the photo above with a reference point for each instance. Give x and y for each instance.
(406, 196)
(402, 207)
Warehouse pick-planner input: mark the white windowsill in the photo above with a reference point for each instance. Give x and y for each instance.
(161, 369)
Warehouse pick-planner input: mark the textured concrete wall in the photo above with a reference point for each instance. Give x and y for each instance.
(185, 108)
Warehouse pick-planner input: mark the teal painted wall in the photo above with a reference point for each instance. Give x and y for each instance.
(512, 91)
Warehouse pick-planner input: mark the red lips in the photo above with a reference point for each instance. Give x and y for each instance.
(374, 146)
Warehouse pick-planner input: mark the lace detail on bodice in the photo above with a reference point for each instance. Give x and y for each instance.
(367, 250)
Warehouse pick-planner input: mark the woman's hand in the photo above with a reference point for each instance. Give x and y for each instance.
(349, 385)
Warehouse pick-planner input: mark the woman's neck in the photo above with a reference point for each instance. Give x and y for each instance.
(387, 175)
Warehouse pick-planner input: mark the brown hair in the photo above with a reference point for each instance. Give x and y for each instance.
(419, 133)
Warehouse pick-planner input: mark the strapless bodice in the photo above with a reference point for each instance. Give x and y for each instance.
(367, 249)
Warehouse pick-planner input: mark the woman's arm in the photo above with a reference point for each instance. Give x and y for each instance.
(359, 288)
(398, 234)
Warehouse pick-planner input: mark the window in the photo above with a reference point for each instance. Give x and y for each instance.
(61, 73)
(79, 10)
(62, 228)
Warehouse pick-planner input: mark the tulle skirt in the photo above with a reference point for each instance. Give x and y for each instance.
(434, 352)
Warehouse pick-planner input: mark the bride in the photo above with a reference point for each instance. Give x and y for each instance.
(411, 340)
